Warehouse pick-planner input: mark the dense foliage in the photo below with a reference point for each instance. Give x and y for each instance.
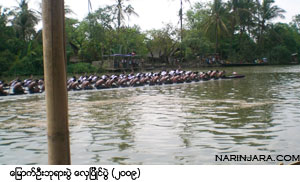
(238, 30)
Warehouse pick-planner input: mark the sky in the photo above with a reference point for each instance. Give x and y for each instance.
(153, 14)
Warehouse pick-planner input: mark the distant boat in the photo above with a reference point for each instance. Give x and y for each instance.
(243, 64)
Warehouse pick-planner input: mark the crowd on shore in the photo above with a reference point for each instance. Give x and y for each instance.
(88, 82)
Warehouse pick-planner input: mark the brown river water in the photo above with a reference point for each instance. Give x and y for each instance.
(168, 124)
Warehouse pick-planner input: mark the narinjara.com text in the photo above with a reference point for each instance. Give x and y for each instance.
(257, 158)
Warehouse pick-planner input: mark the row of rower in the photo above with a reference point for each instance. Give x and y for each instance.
(140, 79)
(17, 87)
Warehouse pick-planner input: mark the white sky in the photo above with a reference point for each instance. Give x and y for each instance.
(152, 13)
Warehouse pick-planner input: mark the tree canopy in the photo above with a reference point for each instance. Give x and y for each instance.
(237, 30)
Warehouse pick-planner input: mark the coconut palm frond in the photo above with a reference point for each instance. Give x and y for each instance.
(90, 7)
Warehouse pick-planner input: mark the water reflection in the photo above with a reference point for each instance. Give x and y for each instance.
(175, 124)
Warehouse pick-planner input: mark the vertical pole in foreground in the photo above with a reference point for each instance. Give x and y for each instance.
(55, 82)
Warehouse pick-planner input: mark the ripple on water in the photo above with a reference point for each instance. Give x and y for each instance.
(175, 124)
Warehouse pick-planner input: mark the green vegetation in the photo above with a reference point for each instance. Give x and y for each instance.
(238, 30)
(81, 68)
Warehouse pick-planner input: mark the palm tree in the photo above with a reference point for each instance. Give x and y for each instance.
(266, 12)
(296, 21)
(24, 20)
(240, 11)
(241, 19)
(90, 8)
(216, 21)
(181, 17)
(3, 15)
(120, 10)
(181, 25)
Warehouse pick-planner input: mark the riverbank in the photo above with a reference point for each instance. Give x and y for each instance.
(192, 65)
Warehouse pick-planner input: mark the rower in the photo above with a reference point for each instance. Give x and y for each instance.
(86, 85)
(214, 74)
(134, 81)
(15, 81)
(42, 84)
(71, 80)
(123, 81)
(74, 85)
(33, 87)
(18, 89)
(2, 92)
(100, 83)
(95, 79)
(28, 81)
(221, 74)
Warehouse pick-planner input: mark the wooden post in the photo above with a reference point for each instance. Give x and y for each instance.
(55, 82)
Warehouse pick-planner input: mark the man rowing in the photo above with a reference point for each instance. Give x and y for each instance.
(75, 85)
(86, 85)
(112, 82)
(100, 83)
(18, 88)
(33, 87)
(123, 80)
(2, 92)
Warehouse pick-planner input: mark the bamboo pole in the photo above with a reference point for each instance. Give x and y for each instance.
(55, 82)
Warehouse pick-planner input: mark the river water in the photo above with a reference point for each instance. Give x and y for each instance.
(174, 124)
